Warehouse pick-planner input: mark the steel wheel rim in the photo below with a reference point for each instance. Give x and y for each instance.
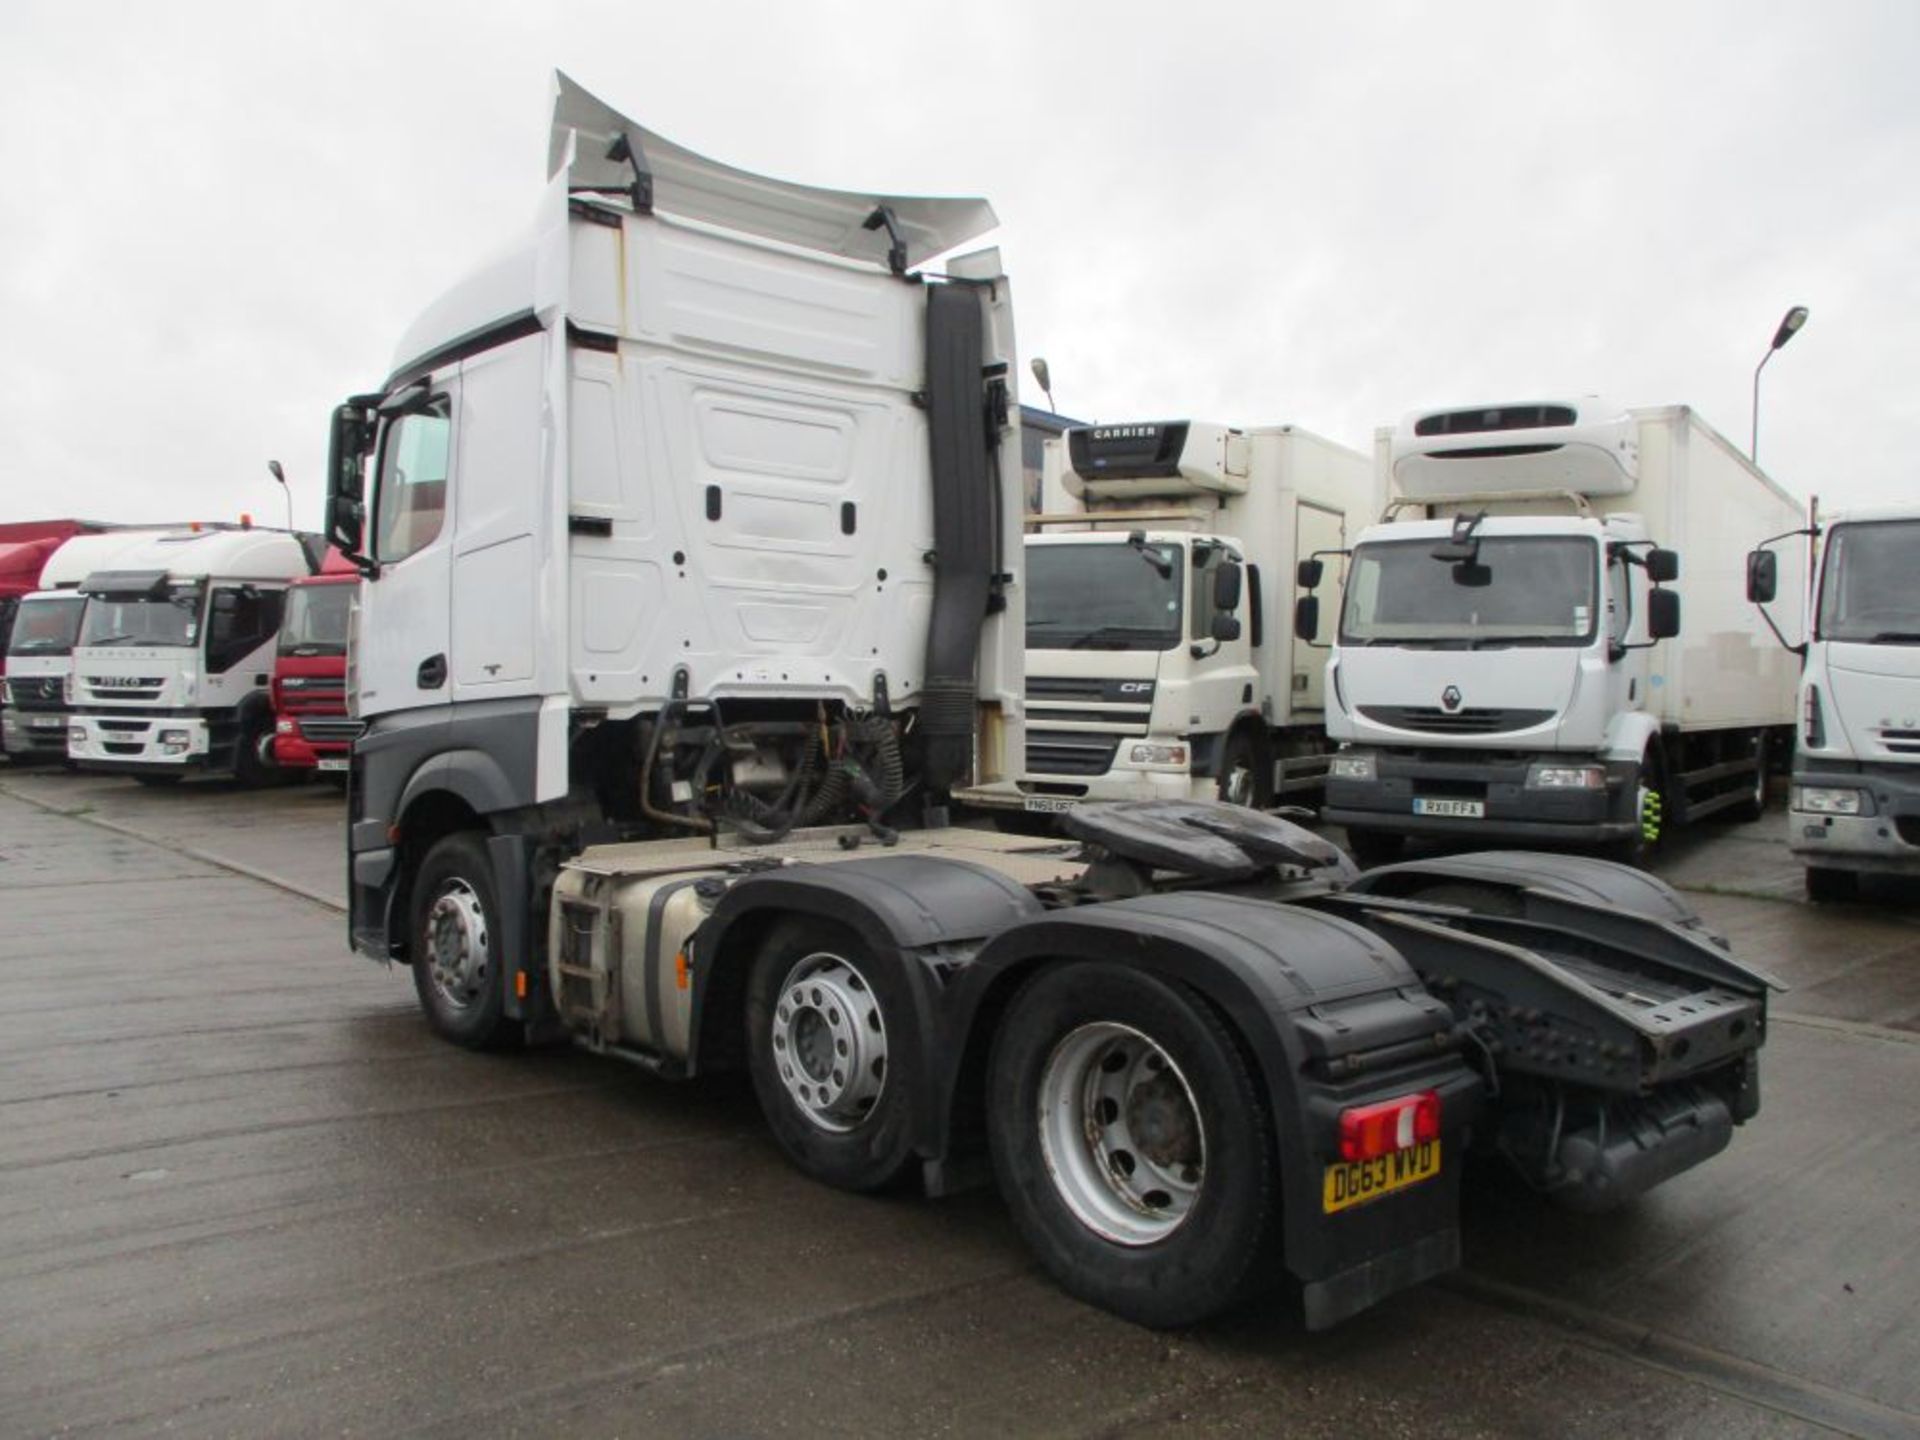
(459, 958)
(1239, 787)
(1121, 1134)
(830, 1042)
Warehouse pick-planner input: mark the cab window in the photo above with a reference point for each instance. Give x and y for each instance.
(410, 497)
(242, 619)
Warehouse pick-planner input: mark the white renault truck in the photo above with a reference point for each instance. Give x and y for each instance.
(40, 649)
(170, 670)
(1508, 661)
(1855, 804)
(1160, 660)
(690, 536)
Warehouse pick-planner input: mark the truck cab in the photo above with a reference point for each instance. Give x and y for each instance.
(175, 651)
(20, 565)
(311, 727)
(1157, 581)
(1855, 805)
(40, 647)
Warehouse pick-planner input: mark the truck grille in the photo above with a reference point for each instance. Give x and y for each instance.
(330, 729)
(39, 693)
(1070, 752)
(1901, 742)
(115, 688)
(1468, 720)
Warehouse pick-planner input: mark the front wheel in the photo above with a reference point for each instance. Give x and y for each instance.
(831, 1048)
(1132, 1145)
(457, 970)
(1649, 814)
(1246, 776)
(1754, 806)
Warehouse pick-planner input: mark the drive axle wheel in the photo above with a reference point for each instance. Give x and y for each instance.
(830, 1046)
(1132, 1145)
(455, 939)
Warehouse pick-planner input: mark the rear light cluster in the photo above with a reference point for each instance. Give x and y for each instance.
(1370, 1131)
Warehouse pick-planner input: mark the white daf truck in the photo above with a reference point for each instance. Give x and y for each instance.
(690, 535)
(170, 670)
(1161, 661)
(40, 650)
(1855, 805)
(1507, 663)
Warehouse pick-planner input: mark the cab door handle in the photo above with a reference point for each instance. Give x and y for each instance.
(433, 672)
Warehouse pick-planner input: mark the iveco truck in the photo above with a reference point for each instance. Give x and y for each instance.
(171, 665)
(1161, 660)
(690, 535)
(1508, 660)
(1855, 805)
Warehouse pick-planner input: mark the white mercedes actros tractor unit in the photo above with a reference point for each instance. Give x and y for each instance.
(690, 535)
(1161, 661)
(1507, 663)
(1856, 771)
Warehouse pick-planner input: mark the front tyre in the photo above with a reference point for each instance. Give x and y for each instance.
(1246, 774)
(831, 1047)
(455, 934)
(1132, 1145)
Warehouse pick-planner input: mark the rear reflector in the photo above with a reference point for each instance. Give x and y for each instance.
(1370, 1131)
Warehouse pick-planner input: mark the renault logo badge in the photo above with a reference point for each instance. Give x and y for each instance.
(1450, 699)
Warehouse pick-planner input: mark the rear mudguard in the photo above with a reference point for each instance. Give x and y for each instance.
(1329, 1015)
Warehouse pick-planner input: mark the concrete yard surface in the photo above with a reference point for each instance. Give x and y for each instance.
(244, 1191)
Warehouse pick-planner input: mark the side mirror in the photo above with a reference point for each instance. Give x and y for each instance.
(1306, 617)
(1663, 614)
(1663, 566)
(350, 439)
(1309, 573)
(1763, 576)
(1226, 587)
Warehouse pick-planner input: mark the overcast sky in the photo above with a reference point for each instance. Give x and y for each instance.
(216, 219)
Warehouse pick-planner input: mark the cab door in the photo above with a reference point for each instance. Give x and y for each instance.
(1224, 684)
(403, 641)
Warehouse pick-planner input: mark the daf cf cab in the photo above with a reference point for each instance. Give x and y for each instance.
(40, 650)
(1160, 657)
(311, 727)
(1855, 805)
(171, 667)
(690, 535)
(1507, 662)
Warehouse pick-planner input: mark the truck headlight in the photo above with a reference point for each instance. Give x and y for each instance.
(284, 725)
(1351, 767)
(176, 737)
(1158, 755)
(1824, 800)
(1566, 777)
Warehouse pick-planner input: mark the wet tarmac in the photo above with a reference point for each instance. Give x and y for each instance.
(243, 1192)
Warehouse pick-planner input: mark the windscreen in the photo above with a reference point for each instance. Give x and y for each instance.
(119, 620)
(47, 627)
(1870, 586)
(1103, 597)
(316, 620)
(1519, 590)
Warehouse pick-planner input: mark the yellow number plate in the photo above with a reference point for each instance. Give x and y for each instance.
(1349, 1185)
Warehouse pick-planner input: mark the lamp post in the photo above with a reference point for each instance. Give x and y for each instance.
(273, 469)
(1790, 324)
(1041, 374)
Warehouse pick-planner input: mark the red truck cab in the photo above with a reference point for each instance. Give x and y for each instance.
(311, 728)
